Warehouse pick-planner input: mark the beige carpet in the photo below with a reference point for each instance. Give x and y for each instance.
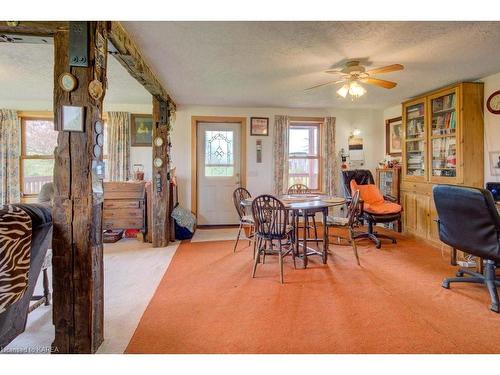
(132, 271)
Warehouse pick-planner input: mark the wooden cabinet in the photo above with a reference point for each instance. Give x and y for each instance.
(442, 144)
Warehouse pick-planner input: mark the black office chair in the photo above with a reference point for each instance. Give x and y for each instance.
(361, 176)
(469, 221)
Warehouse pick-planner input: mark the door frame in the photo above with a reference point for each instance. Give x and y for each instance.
(195, 120)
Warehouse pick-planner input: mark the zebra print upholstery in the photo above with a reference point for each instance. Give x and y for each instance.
(15, 251)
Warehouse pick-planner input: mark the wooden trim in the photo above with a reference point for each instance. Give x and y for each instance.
(129, 56)
(194, 156)
(36, 114)
(306, 119)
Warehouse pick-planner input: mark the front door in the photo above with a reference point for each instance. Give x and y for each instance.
(218, 172)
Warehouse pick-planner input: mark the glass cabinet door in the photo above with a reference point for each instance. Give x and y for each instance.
(386, 182)
(443, 137)
(415, 140)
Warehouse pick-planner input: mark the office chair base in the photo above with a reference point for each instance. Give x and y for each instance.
(375, 237)
(487, 279)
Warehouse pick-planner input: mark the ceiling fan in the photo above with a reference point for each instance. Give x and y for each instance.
(353, 73)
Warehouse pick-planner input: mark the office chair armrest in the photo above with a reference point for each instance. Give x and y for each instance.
(390, 198)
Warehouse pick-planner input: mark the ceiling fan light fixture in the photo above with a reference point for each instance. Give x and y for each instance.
(356, 90)
(343, 90)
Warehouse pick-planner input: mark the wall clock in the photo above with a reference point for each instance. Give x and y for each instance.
(493, 103)
(67, 82)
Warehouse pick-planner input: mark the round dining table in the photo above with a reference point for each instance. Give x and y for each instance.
(302, 205)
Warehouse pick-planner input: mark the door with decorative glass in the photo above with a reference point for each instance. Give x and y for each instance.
(218, 172)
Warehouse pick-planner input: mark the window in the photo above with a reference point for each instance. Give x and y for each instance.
(38, 140)
(304, 154)
(219, 159)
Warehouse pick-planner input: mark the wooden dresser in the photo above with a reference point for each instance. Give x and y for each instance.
(442, 144)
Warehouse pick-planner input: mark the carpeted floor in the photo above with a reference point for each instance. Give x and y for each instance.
(207, 302)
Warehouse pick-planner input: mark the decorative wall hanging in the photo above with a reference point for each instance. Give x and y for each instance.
(100, 139)
(259, 126)
(158, 141)
(96, 89)
(67, 82)
(98, 127)
(393, 139)
(141, 130)
(73, 118)
(493, 103)
(158, 162)
(100, 56)
(97, 151)
(78, 43)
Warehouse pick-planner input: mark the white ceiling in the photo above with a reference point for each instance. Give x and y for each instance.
(26, 74)
(270, 63)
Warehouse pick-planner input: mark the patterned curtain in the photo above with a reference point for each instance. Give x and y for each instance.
(280, 153)
(119, 146)
(330, 170)
(10, 150)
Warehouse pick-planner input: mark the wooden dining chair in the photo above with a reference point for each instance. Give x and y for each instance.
(272, 228)
(298, 189)
(348, 223)
(239, 195)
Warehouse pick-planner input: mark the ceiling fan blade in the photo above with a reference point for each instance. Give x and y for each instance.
(379, 82)
(386, 69)
(324, 84)
(334, 71)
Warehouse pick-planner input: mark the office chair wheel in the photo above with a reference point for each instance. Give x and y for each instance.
(393, 240)
(494, 308)
(378, 245)
(446, 284)
(460, 274)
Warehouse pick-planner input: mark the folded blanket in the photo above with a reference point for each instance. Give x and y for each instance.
(184, 218)
(15, 252)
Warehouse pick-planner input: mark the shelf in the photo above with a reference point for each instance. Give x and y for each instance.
(437, 136)
(443, 111)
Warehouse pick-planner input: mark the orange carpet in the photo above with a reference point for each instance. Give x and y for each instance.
(207, 302)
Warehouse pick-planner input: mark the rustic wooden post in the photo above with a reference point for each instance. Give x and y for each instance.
(160, 189)
(77, 214)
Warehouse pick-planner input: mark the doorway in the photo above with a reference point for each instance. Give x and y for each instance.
(218, 168)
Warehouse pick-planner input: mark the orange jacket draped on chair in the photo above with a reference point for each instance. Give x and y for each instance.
(373, 200)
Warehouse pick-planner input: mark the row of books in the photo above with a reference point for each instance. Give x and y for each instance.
(414, 112)
(444, 121)
(443, 103)
(415, 129)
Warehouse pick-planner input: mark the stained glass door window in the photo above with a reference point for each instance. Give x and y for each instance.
(219, 153)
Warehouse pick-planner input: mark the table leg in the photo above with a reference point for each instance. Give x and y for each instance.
(305, 240)
(325, 236)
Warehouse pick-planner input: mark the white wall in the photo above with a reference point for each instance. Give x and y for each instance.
(491, 124)
(260, 176)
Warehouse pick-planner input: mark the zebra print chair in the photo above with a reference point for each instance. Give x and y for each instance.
(13, 318)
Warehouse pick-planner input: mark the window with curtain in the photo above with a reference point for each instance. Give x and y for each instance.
(38, 141)
(304, 154)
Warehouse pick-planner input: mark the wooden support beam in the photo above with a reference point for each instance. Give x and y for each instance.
(77, 213)
(161, 201)
(38, 28)
(129, 56)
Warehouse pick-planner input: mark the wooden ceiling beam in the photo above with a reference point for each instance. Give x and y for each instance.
(38, 28)
(128, 54)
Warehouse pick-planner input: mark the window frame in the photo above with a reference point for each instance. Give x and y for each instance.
(23, 156)
(299, 122)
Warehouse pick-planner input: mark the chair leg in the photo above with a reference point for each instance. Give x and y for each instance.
(237, 238)
(493, 294)
(281, 263)
(475, 280)
(306, 226)
(256, 260)
(46, 290)
(354, 247)
(254, 244)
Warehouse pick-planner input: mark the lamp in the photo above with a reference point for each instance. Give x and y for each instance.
(352, 88)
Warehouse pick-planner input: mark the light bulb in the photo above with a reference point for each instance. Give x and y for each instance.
(343, 90)
(356, 90)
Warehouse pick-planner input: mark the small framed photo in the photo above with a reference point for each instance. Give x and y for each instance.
(141, 130)
(393, 136)
(73, 118)
(495, 163)
(259, 126)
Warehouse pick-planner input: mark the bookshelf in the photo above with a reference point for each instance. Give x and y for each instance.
(443, 144)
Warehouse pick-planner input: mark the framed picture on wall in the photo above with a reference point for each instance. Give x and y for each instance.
(495, 163)
(394, 136)
(141, 130)
(259, 126)
(73, 118)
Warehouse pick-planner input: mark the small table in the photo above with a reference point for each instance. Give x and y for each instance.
(305, 206)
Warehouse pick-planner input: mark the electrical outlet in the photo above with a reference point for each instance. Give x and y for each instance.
(465, 264)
